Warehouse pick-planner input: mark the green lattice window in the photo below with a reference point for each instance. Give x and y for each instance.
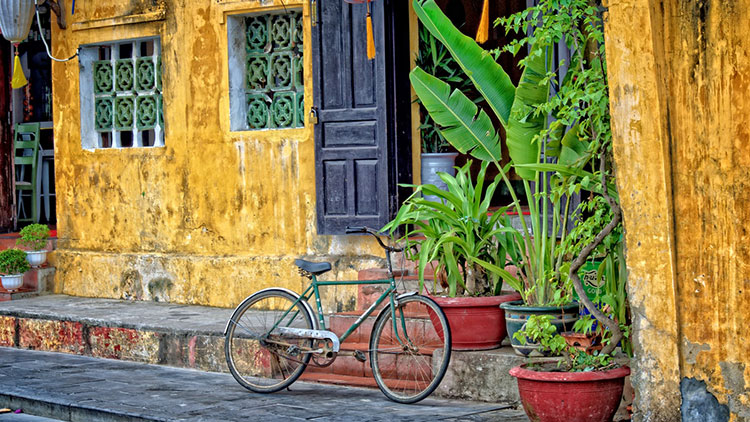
(273, 79)
(125, 80)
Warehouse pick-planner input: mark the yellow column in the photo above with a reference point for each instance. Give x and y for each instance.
(642, 159)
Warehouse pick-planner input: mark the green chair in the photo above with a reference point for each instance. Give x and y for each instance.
(26, 147)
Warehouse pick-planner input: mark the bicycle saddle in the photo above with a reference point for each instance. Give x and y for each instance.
(316, 268)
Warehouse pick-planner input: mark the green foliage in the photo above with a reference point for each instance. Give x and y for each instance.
(33, 236)
(470, 130)
(580, 135)
(539, 329)
(435, 59)
(13, 261)
(458, 233)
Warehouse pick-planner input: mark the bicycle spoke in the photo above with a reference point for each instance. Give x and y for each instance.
(402, 354)
(258, 359)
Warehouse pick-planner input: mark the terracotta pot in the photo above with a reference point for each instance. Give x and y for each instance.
(570, 396)
(587, 343)
(477, 323)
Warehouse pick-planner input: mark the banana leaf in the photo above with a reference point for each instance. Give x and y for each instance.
(466, 127)
(488, 77)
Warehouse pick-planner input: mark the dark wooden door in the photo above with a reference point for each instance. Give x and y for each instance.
(352, 135)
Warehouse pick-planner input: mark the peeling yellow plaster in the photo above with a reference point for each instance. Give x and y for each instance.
(681, 125)
(212, 216)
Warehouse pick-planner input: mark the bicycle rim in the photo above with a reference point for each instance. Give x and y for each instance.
(258, 357)
(409, 370)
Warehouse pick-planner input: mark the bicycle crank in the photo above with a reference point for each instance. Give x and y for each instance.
(316, 334)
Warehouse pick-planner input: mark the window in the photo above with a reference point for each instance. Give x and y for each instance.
(121, 95)
(265, 71)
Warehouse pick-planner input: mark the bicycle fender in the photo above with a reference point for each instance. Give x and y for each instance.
(296, 296)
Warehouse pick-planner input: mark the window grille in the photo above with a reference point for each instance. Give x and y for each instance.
(273, 82)
(126, 87)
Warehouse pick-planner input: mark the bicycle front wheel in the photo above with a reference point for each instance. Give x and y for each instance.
(259, 357)
(409, 354)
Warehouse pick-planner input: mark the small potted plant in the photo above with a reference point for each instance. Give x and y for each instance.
(34, 237)
(584, 386)
(12, 266)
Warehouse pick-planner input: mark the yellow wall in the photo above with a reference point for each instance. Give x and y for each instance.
(214, 215)
(680, 98)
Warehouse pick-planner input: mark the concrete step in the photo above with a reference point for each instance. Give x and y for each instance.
(192, 337)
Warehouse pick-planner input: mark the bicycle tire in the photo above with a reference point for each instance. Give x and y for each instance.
(410, 374)
(256, 364)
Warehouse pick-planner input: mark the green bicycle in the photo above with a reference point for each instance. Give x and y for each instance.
(273, 335)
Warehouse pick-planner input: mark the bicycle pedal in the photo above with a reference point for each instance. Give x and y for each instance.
(360, 356)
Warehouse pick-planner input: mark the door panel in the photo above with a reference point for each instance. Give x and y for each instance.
(351, 137)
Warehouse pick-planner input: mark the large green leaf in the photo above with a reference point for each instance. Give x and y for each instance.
(525, 123)
(488, 77)
(466, 130)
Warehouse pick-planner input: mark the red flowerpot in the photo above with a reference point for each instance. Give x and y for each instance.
(570, 396)
(477, 323)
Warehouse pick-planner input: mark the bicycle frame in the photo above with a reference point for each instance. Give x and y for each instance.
(313, 290)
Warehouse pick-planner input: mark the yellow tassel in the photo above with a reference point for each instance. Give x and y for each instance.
(484, 23)
(370, 39)
(19, 79)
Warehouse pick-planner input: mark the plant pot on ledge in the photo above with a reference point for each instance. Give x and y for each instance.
(34, 237)
(36, 258)
(432, 163)
(477, 323)
(516, 315)
(570, 396)
(12, 281)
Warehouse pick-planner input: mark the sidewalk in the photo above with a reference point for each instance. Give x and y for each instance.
(80, 388)
(191, 337)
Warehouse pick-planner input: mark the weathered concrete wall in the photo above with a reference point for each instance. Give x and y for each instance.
(214, 215)
(681, 126)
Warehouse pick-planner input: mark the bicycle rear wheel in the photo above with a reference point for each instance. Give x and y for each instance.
(259, 358)
(409, 359)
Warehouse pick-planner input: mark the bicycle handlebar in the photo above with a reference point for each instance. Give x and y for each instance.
(375, 234)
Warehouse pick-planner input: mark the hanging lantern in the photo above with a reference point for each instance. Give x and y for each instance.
(370, 36)
(15, 22)
(15, 19)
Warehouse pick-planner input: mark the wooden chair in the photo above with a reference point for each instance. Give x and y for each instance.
(26, 147)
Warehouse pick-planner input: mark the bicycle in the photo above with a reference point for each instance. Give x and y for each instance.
(273, 335)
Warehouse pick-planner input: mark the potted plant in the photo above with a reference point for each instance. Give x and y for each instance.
(34, 237)
(586, 386)
(542, 277)
(12, 266)
(589, 385)
(457, 234)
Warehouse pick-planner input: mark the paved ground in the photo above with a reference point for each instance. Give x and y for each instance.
(23, 417)
(77, 388)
